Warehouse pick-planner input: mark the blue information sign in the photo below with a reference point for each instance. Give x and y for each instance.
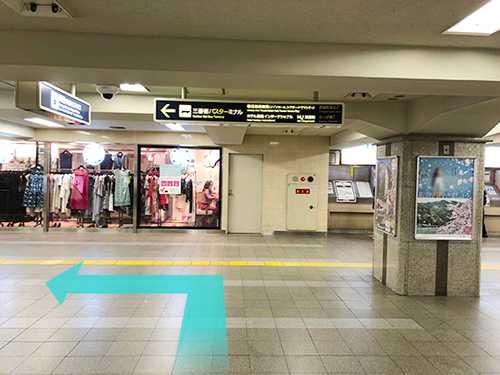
(59, 102)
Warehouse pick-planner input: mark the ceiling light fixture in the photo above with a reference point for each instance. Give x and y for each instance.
(136, 87)
(483, 22)
(41, 121)
(175, 127)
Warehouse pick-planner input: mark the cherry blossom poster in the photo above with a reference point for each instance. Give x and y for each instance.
(386, 194)
(445, 198)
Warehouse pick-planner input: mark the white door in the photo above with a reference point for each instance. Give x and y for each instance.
(245, 193)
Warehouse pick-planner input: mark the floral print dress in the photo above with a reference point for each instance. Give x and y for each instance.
(33, 195)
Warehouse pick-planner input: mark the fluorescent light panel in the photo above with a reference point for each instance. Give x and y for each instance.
(136, 87)
(175, 127)
(483, 22)
(41, 121)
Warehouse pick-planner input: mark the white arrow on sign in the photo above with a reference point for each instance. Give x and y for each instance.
(165, 110)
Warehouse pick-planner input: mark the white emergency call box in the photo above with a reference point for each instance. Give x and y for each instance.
(302, 202)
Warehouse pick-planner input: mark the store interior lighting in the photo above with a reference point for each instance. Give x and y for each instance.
(483, 22)
(41, 121)
(136, 87)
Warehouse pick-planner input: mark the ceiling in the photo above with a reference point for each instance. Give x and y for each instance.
(402, 22)
(245, 94)
(107, 114)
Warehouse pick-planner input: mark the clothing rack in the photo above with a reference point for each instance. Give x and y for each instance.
(11, 193)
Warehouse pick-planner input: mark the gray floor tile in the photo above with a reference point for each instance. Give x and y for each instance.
(55, 349)
(77, 365)
(305, 365)
(299, 348)
(128, 348)
(116, 365)
(342, 365)
(38, 365)
(69, 334)
(8, 364)
(160, 348)
(332, 348)
(379, 365)
(268, 364)
(451, 365)
(416, 366)
(90, 349)
(35, 334)
(19, 349)
(257, 348)
(483, 365)
(154, 365)
(400, 348)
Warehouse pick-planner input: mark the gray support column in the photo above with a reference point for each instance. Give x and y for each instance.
(429, 267)
(46, 186)
(136, 182)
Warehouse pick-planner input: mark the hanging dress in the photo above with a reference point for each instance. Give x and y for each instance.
(122, 191)
(80, 193)
(33, 195)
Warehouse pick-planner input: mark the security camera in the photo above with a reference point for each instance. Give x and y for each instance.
(107, 92)
(55, 8)
(33, 7)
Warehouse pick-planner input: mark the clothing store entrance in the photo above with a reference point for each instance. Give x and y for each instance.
(245, 193)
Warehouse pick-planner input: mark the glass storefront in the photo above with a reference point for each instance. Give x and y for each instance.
(21, 184)
(179, 187)
(91, 185)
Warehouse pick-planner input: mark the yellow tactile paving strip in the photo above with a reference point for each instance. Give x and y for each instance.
(484, 266)
(186, 263)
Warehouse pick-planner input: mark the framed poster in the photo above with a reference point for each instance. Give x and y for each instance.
(386, 192)
(170, 179)
(445, 198)
(345, 191)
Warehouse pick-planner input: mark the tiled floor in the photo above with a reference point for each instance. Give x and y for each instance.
(281, 320)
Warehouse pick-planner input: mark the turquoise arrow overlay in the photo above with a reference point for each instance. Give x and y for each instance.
(202, 345)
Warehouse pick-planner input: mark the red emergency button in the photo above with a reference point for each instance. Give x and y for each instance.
(302, 191)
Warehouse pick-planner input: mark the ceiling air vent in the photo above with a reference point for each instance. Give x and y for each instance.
(197, 91)
(118, 127)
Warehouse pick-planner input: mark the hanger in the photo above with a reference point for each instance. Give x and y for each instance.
(81, 167)
(65, 152)
(119, 154)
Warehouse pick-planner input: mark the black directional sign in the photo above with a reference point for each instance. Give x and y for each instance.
(168, 110)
